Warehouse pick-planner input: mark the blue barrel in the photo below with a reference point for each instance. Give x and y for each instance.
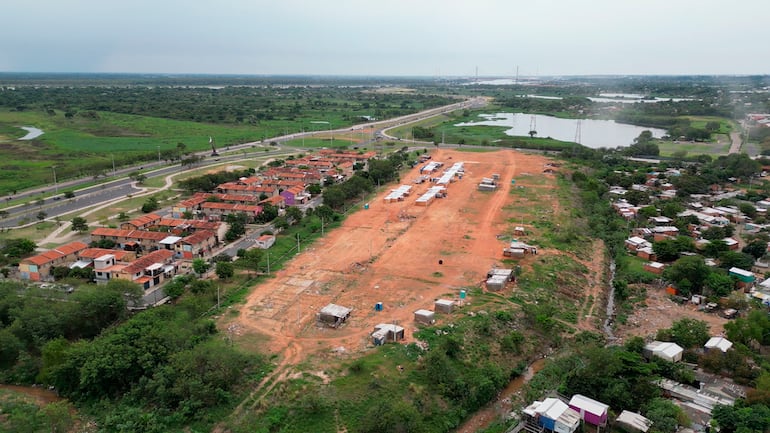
(462, 294)
(378, 306)
(366, 206)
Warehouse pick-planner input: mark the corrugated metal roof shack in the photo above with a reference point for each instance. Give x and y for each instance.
(334, 315)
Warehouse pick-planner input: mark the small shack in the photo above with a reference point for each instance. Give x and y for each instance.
(507, 273)
(671, 352)
(264, 242)
(720, 343)
(633, 422)
(553, 414)
(426, 317)
(654, 267)
(334, 315)
(444, 306)
(590, 410)
(387, 332)
(745, 278)
(496, 283)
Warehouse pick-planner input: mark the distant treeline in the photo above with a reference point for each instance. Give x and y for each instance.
(227, 105)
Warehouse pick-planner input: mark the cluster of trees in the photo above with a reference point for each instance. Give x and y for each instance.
(643, 146)
(160, 368)
(13, 250)
(574, 105)
(209, 182)
(228, 105)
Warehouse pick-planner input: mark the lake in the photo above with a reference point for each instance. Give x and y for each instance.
(32, 132)
(593, 133)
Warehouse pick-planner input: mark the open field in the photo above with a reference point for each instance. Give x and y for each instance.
(719, 147)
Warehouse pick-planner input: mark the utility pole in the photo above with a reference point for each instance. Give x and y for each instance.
(268, 263)
(297, 243)
(158, 155)
(113, 164)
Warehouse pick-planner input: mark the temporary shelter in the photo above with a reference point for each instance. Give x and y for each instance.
(590, 410)
(553, 414)
(444, 306)
(425, 317)
(669, 351)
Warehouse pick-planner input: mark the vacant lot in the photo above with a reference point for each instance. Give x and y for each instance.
(390, 253)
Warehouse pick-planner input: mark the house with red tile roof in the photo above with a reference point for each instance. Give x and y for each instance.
(197, 245)
(295, 195)
(148, 271)
(129, 239)
(215, 211)
(141, 222)
(277, 201)
(38, 267)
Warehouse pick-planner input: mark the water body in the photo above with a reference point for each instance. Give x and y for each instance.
(593, 133)
(32, 132)
(618, 98)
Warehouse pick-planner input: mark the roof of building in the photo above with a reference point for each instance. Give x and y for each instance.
(588, 404)
(198, 237)
(266, 237)
(147, 260)
(634, 420)
(389, 327)
(232, 207)
(95, 253)
(422, 312)
(144, 220)
(56, 253)
(720, 343)
(336, 310)
(739, 271)
(666, 348)
(196, 224)
(129, 234)
(445, 302)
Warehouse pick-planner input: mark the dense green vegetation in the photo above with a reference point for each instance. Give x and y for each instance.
(87, 128)
(152, 371)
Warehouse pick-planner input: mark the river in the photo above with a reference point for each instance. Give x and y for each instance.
(32, 132)
(588, 132)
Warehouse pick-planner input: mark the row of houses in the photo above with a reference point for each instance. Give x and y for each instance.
(149, 270)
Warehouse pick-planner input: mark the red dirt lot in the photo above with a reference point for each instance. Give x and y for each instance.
(389, 253)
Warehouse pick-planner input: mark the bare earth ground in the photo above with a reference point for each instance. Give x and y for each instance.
(662, 312)
(388, 253)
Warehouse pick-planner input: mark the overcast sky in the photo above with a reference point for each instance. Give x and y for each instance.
(387, 37)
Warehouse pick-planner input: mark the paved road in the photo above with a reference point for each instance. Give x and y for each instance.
(735, 147)
(105, 192)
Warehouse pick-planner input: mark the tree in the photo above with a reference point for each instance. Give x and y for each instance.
(757, 248)
(748, 209)
(664, 415)
(138, 177)
(686, 332)
(294, 214)
(41, 215)
(18, 248)
(200, 266)
(225, 270)
(729, 259)
(688, 271)
(252, 258)
(269, 212)
(715, 248)
(719, 284)
(79, 224)
(69, 194)
(150, 205)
